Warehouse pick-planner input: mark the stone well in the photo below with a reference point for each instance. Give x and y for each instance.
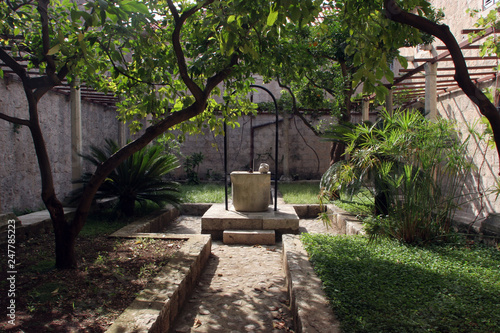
(250, 191)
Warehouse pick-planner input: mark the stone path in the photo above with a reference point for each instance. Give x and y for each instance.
(242, 289)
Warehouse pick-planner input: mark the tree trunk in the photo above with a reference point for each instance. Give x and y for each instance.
(64, 238)
(65, 241)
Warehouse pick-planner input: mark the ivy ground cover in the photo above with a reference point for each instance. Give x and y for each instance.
(391, 287)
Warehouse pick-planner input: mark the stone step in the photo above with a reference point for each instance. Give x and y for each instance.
(217, 219)
(249, 237)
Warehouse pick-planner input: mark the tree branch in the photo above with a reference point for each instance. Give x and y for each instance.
(441, 31)
(179, 53)
(12, 64)
(296, 110)
(42, 8)
(15, 120)
(213, 81)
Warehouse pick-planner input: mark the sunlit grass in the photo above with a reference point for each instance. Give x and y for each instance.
(203, 193)
(300, 193)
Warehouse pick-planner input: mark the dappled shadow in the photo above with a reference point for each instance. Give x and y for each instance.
(401, 296)
(184, 224)
(234, 295)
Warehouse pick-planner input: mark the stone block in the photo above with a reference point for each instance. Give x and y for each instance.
(491, 225)
(250, 237)
(301, 211)
(308, 302)
(250, 191)
(354, 228)
(251, 224)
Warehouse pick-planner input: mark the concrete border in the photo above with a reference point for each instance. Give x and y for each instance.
(310, 308)
(156, 307)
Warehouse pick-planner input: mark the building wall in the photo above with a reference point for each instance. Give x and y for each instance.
(308, 156)
(458, 107)
(20, 184)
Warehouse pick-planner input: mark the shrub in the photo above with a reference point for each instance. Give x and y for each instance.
(191, 166)
(414, 169)
(137, 179)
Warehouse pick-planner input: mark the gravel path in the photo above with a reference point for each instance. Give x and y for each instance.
(242, 289)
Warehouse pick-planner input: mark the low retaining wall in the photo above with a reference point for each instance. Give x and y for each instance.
(308, 303)
(157, 306)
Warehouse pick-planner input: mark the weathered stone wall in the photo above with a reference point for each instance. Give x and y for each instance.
(308, 156)
(458, 107)
(20, 185)
(20, 177)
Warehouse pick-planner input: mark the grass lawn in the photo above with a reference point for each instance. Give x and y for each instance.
(203, 193)
(293, 193)
(391, 287)
(299, 193)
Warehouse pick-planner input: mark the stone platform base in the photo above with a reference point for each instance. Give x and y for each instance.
(250, 237)
(217, 219)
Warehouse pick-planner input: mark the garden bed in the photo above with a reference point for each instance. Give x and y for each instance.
(111, 273)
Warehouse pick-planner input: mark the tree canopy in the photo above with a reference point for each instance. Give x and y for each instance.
(164, 58)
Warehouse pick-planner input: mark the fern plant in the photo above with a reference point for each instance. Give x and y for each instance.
(138, 179)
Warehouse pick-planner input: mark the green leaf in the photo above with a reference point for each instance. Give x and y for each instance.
(54, 49)
(273, 16)
(231, 18)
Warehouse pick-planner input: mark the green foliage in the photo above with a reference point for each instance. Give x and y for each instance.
(490, 45)
(299, 193)
(414, 168)
(369, 30)
(191, 166)
(392, 287)
(137, 179)
(203, 193)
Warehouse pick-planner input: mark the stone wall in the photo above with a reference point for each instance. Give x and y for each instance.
(20, 185)
(458, 107)
(308, 157)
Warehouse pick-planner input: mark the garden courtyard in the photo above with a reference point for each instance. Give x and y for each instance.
(384, 286)
(250, 166)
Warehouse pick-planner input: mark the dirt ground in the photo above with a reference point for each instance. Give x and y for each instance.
(110, 274)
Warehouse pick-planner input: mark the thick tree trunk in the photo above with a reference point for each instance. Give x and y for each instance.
(64, 238)
(65, 241)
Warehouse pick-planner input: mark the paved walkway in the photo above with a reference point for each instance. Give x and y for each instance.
(242, 289)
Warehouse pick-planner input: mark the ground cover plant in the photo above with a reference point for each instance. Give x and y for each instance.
(388, 286)
(111, 273)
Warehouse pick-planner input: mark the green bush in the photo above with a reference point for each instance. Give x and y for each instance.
(137, 179)
(191, 166)
(414, 169)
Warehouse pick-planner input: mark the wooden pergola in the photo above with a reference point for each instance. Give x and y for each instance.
(438, 72)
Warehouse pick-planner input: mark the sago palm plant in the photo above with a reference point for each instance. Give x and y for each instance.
(140, 178)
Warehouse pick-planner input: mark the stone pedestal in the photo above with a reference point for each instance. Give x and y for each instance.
(250, 191)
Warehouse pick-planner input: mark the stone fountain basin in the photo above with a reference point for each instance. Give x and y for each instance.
(250, 191)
